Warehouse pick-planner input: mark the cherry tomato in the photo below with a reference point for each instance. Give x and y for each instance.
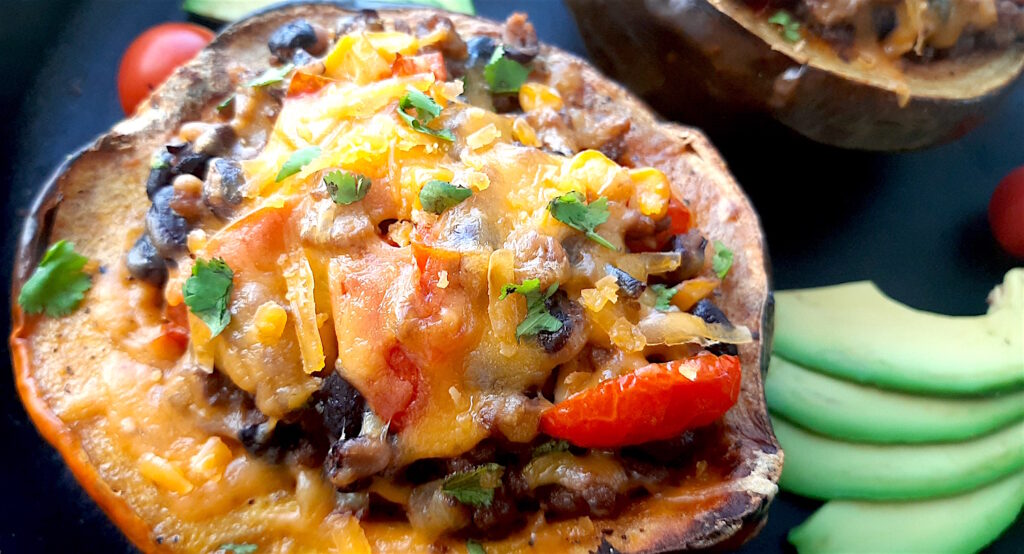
(654, 402)
(153, 55)
(1006, 212)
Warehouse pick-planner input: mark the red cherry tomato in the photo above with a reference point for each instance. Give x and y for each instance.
(654, 402)
(1006, 212)
(153, 55)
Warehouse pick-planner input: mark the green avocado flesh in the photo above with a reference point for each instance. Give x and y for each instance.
(230, 10)
(964, 523)
(820, 467)
(855, 332)
(849, 411)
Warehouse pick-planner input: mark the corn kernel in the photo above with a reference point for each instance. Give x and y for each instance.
(651, 191)
(485, 136)
(196, 241)
(626, 336)
(524, 133)
(592, 172)
(270, 320)
(164, 474)
(211, 459)
(535, 96)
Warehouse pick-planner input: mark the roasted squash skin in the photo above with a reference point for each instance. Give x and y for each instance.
(719, 65)
(743, 461)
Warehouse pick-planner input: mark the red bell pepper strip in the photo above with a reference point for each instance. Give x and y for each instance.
(654, 402)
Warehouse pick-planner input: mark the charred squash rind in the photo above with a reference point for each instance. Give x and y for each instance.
(729, 512)
(715, 62)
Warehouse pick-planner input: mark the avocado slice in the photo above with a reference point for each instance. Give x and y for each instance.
(964, 523)
(849, 411)
(855, 332)
(821, 467)
(230, 10)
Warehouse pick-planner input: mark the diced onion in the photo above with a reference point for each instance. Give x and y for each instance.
(673, 328)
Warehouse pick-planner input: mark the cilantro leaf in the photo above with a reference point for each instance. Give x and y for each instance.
(570, 209)
(207, 292)
(296, 161)
(537, 316)
(226, 102)
(789, 27)
(550, 447)
(272, 76)
(474, 487)
(722, 261)
(346, 188)
(58, 285)
(473, 547)
(437, 196)
(504, 75)
(244, 548)
(426, 111)
(664, 296)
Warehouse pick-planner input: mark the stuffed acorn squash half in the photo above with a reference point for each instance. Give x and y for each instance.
(865, 74)
(404, 281)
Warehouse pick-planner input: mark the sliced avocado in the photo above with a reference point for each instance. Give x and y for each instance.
(820, 467)
(230, 10)
(964, 523)
(849, 411)
(855, 332)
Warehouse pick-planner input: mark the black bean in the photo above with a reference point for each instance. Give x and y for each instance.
(341, 407)
(499, 518)
(159, 172)
(710, 313)
(190, 162)
(145, 263)
(884, 20)
(629, 286)
(290, 37)
(366, 20)
(351, 460)
(166, 229)
(690, 246)
(224, 186)
(569, 313)
(216, 140)
(480, 50)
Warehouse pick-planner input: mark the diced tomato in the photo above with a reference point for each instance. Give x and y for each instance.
(679, 221)
(432, 62)
(305, 83)
(654, 402)
(404, 381)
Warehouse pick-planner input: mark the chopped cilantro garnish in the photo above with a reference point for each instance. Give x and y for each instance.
(473, 547)
(437, 196)
(476, 486)
(537, 316)
(551, 447)
(663, 296)
(272, 76)
(722, 261)
(244, 548)
(226, 102)
(346, 188)
(58, 285)
(426, 111)
(570, 209)
(207, 292)
(503, 74)
(789, 27)
(296, 161)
